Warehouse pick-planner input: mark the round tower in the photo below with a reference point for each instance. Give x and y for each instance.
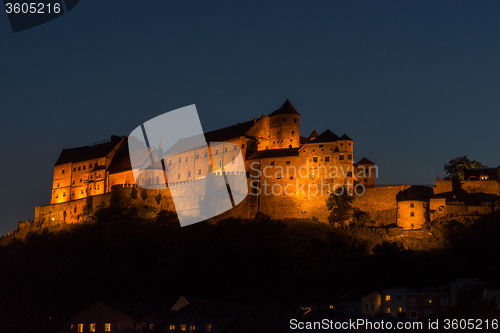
(284, 127)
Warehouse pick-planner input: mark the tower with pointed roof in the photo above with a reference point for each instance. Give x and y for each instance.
(284, 127)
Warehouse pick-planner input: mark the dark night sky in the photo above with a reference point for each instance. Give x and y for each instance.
(414, 84)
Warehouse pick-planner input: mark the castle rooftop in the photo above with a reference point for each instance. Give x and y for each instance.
(286, 108)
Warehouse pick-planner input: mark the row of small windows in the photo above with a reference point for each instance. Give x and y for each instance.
(92, 327)
(81, 167)
(197, 156)
(183, 327)
(284, 119)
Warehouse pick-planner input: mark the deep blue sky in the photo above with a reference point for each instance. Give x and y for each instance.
(415, 84)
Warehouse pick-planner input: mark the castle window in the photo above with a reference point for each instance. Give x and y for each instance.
(80, 328)
(64, 194)
(287, 162)
(192, 327)
(95, 164)
(293, 132)
(172, 327)
(291, 177)
(412, 205)
(216, 151)
(312, 175)
(81, 191)
(315, 159)
(413, 314)
(341, 157)
(57, 184)
(189, 173)
(220, 163)
(79, 168)
(92, 327)
(428, 301)
(74, 169)
(349, 157)
(91, 176)
(327, 158)
(235, 147)
(341, 144)
(284, 119)
(349, 173)
(242, 145)
(412, 214)
(225, 150)
(199, 171)
(349, 143)
(183, 327)
(62, 170)
(186, 158)
(321, 146)
(90, 166)
(295, 120)
(441, 208)
(197, 156)
(278, 132)
(278, 176)
(84, 167)
(74, 181)
(272, 162)
(107, 327)
(206, 154)
(81, 180)
(178, 176)
(232, 161)
(180, 159)
(170, 162)
(209, 168)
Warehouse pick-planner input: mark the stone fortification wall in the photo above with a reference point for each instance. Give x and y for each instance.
(380, 203)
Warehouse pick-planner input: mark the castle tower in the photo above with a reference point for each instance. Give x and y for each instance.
(284, 127)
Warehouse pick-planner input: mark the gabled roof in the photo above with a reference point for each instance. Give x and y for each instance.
(275, 153)
(230, 132)
(345, 137)
(86, 153)
(326, 136)
(364, 160)
(286, 108)
(313, 134)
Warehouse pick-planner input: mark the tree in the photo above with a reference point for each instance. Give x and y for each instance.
(456, 167)
(340, 203)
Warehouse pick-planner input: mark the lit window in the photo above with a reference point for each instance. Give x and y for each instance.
(388, 310)
(107, 327)
(331, 306)
(92, 327)
(220, 163)
(312, 175)
(209, 328)
(192, 327)
(388, 297)
(80, 328)
(172, 327)
(400, 310)
(428, 301)
(341, 157)
(183, 327)
(315, 159)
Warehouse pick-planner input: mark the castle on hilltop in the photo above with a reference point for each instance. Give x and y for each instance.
(272, 140)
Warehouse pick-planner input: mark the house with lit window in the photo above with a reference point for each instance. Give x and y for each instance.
(101, 317)
(198, 315)
(427, 301)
